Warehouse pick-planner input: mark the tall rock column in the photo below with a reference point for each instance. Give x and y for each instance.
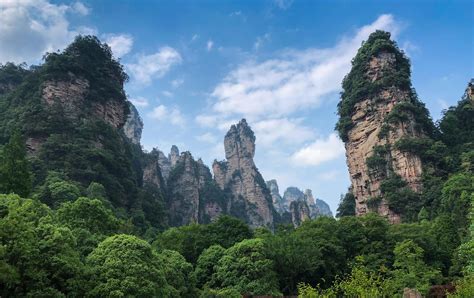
(238, 176)
(379, 115)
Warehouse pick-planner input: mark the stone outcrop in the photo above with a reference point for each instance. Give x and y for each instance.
(174, 155)
(323, 208)
(70, 95)
(470, 90)
(299, 211)
(238, 176)
(152, 175)
(276, 197)
(300, 206)
(193, 195)
(133, 126)
(379, 121)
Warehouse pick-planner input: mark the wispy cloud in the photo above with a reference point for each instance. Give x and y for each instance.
(283, 4)
(139, 101)
(207, 138)
(209, 45)
(320, 151)
(153, 66)
(296, 80)
(121, 44)
(166, 114)
(261, 40)
(30, 28)
(176, 83)
(270, 93)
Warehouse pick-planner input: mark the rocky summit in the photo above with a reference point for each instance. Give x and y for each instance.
(238, 176)
(379, 111)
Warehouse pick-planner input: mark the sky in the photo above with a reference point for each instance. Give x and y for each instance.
(196, 67)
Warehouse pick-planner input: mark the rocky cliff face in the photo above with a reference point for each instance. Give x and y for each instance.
(133, 126)
(250, 198)
(193, 196)
(70, 96)
(276, 197)
(381, 116)
(151, 170)
(323, 208)
(299, 211)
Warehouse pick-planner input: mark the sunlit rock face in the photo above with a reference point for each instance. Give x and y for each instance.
(250, 199)
(379, 120)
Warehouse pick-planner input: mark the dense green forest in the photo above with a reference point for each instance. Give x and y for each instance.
(76, 219)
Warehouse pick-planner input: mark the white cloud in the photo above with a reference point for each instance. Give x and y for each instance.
(294, 80)
(29, 28)
(330, 175)
(283, 4)
(261, 40)
(166, 114)
(207, 138)
(139, 101)
(284, 130)
(80, 8)
(320, 151)
(176, 83)
(155, 65)
(194, 38)
(209, 45)
(235, 13)
(121, 44)
(167, 93)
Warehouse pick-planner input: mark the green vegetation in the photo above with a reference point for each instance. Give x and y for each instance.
(77, 220)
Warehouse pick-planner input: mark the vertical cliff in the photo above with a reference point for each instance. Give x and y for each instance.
(299, 211)
(133, 125)
(193, 196)
(379, 114)
(276, 197)
(239, 177)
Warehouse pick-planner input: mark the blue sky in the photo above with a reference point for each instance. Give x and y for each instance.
(198, 66)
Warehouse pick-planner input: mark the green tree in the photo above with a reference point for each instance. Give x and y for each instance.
(206, 266)
(40, 254)
(246, 268)
(410, 269)
(346, 206)
(15, 174)
(124, 265)
(178, 274)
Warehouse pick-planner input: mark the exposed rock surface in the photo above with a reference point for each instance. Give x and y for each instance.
(290, 195)
(276, 197)
(299, 211)
(133, 126)
(193, 196)
(70, 96)
(151, 170)
(323, 208)
(369, 119)
(174, 155)
(238, 176)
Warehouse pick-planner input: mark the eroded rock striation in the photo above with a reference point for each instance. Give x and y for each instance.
(70, 95)
(250, 199)
(379, 112)
(193, 196)
(299, 211)
(133, 126)
(276, 197)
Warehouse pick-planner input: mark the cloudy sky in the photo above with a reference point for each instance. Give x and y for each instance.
(196, 67)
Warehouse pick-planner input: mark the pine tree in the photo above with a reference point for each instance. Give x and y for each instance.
(15, 174)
